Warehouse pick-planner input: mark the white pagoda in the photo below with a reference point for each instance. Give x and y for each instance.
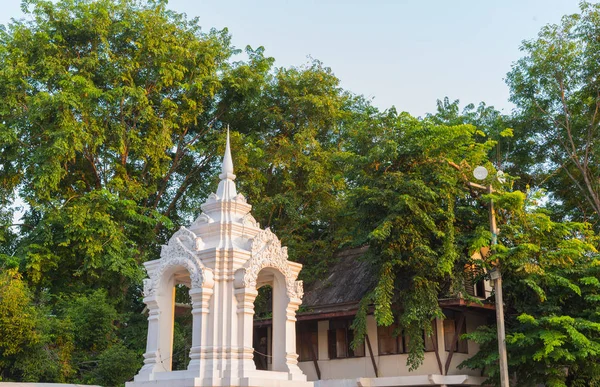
(223, 258)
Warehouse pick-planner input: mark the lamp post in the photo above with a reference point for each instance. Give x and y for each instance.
(481, 173)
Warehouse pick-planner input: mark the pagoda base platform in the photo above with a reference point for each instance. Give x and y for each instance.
(259, 379)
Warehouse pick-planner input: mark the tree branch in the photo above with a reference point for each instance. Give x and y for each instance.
(179, 153)
(92, 162)
(181, 190)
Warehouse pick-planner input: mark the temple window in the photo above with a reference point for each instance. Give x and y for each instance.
(451, 325)
(307, 344)
(340, 337)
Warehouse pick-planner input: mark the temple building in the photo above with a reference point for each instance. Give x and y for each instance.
(324, 335)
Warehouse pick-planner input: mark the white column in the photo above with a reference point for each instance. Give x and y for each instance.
(279, 343)
(200, 310)
(291, 357)
(372, 333)
(245, 314)
(151, 356)
(166, 301)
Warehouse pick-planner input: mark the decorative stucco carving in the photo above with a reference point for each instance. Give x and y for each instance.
(201, 219)
(299, 289)
(148, 287)
(248, 220)
(212, 198)
(183, 237)
(179, 252)
(195, 270)
(240, 198)
(266, 251)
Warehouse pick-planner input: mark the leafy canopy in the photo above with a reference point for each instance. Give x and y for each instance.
(555, 87)
(550, 274)
(406, 200)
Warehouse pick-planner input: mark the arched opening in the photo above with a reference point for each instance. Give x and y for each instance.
(182, 328)
(261, 338)
(175, 331)
(271, 302)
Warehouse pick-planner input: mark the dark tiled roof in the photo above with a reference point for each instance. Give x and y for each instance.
(348, 281)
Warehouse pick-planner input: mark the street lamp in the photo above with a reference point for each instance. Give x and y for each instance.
(481, 173)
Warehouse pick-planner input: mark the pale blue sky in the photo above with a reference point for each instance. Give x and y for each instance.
(403, 53)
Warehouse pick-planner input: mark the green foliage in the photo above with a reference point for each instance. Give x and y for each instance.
(382, 296)
(111, 129)
(263, 303)
(550, 272)
(116, 365)
(109, 98)
(291, 167)
(51, 358)
(182, 342)
(111, 132)
(93, 320)
(555, 88)
(490, 124)
(78, 344)
(17, 316)
(404, 198)
(35, 346)
(359, 324)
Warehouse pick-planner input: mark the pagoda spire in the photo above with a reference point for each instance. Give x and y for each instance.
(227, 164)
(227, 190)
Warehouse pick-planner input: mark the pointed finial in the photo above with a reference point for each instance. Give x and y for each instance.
(227, 165)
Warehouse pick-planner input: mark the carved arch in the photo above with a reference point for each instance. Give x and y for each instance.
(267, 252)
(179, 253)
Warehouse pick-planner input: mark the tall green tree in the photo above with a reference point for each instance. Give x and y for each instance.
(111, 132)
(485, 118)
(291, 166)
(112, 119)
(108, 111)
(552, 294)
(556, 89)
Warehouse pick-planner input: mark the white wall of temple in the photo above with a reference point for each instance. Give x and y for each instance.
(389, 365)
(473, 321)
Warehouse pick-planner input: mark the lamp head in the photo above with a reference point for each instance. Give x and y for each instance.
(480, 173)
